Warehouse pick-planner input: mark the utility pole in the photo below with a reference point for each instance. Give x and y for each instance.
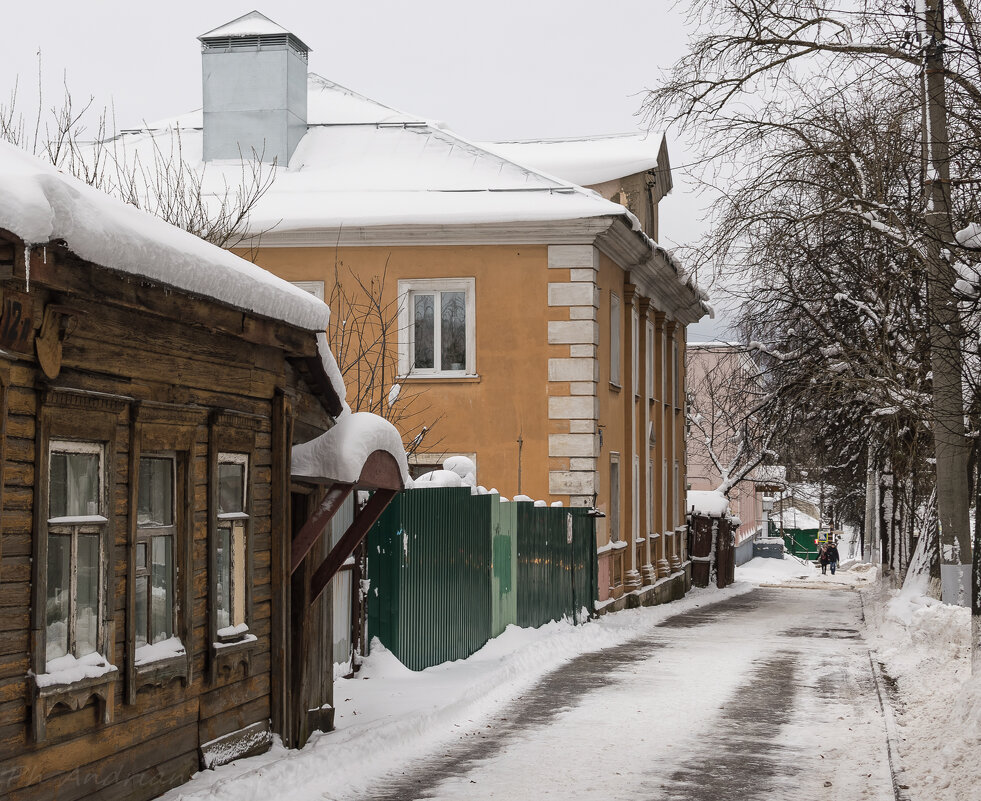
(949, 434)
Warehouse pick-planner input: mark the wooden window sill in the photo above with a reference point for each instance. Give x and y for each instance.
(74, 696)
(226, 657)
(162, 671)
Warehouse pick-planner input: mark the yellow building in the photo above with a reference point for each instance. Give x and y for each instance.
(542, 320)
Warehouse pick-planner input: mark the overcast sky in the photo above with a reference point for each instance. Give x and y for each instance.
(514, 69)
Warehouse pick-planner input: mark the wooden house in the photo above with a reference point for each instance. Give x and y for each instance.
(152, 387)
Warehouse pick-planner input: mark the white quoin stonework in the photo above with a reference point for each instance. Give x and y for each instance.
(573, 373)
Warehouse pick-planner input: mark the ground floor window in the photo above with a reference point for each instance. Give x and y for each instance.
(155, 537)
(76, 522)
(231, 547)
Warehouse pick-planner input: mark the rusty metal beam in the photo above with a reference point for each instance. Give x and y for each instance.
(356, 532)
(307, 536)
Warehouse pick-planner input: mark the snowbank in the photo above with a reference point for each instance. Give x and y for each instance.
(340, 453)
(924, 646)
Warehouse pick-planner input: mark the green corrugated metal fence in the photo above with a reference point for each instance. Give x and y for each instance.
(800, 542)
(449, 570)
(546, 589)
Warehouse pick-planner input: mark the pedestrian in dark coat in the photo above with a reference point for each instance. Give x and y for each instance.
(823, 558)
(833, 557)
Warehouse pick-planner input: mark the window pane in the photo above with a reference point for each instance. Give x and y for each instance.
(56, 608)
(238, 572)
(156, 503)
(423, 314)
(453, 331)
(614, 501)
(87, 616)
(141, 597)
(223, 579)
(141, 556)
(74, 484)
(231, 487)
(162, 597)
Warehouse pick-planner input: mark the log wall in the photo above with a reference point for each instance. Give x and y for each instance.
(159, 365)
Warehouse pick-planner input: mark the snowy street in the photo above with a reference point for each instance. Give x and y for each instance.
(763, 695)
(752, 692)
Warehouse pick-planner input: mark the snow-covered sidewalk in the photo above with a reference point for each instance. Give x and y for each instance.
(389, 717)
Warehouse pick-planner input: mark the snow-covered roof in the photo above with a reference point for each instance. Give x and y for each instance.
(251, 24)
(792, 517)
(362, 163)
(40, 204)
(587, 160)
(340, 454)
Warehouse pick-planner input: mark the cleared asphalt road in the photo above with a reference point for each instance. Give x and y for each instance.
(766, 695)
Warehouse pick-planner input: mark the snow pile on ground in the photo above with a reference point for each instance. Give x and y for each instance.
(388, 716)
(340, 453)
(924, 645)
(793, 572)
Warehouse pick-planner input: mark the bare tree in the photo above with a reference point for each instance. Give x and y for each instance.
(745, 80)
(146, 169)
(364, 335)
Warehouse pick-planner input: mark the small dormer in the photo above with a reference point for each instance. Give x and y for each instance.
(255, 90)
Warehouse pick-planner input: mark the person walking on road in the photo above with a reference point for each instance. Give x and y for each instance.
(823, 558)
(833, 557)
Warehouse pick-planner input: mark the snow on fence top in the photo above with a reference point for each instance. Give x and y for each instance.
(39, 204)
(340, 453)
(707, 503)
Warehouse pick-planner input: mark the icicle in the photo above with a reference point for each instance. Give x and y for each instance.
(44, 254)
(27, 266)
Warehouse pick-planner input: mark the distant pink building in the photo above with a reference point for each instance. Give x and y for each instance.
(718, 375)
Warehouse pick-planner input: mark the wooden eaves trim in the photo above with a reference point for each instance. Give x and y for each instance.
(381, 474)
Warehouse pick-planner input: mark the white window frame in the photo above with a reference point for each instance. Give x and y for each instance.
(315, 288)
(225, 457)
(616, 519)
(635, 356)
(650, 361)
(145, 536)
(74, 526)
(407, 288)
(614, 339)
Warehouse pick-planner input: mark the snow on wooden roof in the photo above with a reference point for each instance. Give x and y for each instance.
(251, 24)
(340, 454)
(586, 160)
(39, 204)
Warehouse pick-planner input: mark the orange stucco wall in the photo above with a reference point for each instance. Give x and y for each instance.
(508, 398)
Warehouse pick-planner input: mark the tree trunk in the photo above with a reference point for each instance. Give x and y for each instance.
(952, 451)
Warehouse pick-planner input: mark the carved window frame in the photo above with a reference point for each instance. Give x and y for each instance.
(69, 415)
(171, 430)
(231, 433)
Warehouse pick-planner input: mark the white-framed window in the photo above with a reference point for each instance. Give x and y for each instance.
(636, 499)
(676, 360)
(315, 288)
(76, 525)
(650, 361)
(231, 557)
(650, 496)
(635, 346)
(614, 497)
(614, 339)
(437, 330)
(156, 529)
(678, 515)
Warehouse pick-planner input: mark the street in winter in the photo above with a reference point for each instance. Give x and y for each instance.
(522, 401)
